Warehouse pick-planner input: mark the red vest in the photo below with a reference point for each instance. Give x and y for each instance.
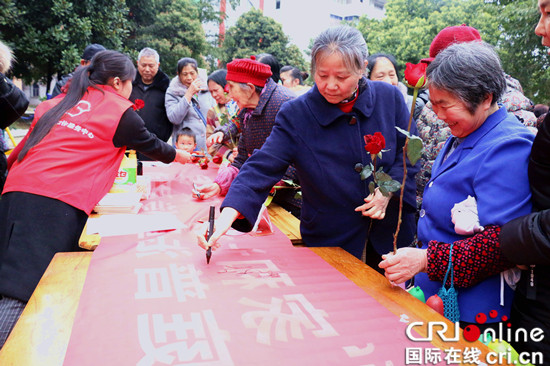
(76, 162)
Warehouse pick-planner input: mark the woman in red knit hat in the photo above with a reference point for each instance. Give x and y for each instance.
(259, 99)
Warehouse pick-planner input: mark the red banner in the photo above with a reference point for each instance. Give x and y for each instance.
(151, 299)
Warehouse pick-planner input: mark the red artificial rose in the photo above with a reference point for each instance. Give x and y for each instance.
(138, 104)
(414, 74)
(374, 143)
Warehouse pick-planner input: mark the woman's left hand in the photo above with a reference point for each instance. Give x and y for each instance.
(404, 265)
(375, 206)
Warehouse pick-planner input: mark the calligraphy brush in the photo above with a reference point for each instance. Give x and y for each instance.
(210, 232)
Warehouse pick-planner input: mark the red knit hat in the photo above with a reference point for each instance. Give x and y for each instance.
(242, 70)
(450, 35)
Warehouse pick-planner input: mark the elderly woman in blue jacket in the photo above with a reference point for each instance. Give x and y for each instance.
(485, 158)
(322, 134)
(186, 103)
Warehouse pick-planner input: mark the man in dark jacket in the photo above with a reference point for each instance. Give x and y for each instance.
(89, 52)
(150, 86)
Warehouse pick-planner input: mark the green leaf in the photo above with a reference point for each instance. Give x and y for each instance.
(391, 186)
(414, 149)
(384, 191)
(404, 132)
(371, 187)
(366, 172)
(382, 177)
(298, 195)
(420, 82)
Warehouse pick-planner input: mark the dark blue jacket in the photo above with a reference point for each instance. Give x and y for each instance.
(318, 138)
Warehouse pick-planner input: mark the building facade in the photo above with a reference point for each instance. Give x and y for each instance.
(303, 20)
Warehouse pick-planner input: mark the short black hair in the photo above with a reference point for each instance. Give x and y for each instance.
(373, 59)
(218, 77)
(272, 62)
(186, 131)
(91, 50)
(295, 73)
(182, 62)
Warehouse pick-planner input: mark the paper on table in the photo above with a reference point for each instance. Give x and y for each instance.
(126, 224)
(128, 199)
(109, 210)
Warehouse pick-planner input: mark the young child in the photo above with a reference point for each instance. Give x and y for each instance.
(186, 140)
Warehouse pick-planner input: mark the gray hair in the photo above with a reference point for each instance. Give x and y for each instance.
(149, 52)
(470, 71)
(6, 58)
(245, 87)
(345, 40)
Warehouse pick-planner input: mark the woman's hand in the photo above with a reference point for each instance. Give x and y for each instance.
(233, 155)
(403, 265)
(222, 224)
(215, 138)
(182, 156)
(206, 191)
(193, 89)
(375, 206)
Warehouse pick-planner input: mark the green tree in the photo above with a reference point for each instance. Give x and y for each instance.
(173, 29)
(409, 27)
(520, 49)
(208, 9)
(255, 33)
(48, 36)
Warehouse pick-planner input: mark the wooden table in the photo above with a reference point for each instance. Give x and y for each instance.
(284, 220)
(41, 335)
(43, 331)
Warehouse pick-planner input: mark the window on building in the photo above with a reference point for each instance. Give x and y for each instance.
(335, 17)
(378, 3)
(35, 90)
(278, 4)
(351, 18)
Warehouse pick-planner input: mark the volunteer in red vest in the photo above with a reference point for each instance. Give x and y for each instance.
(67, 162)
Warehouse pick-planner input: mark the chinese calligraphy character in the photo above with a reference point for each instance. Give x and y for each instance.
(264, 319)
(197, 341)
(255, 273)
(156, 283)
(157, 245)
